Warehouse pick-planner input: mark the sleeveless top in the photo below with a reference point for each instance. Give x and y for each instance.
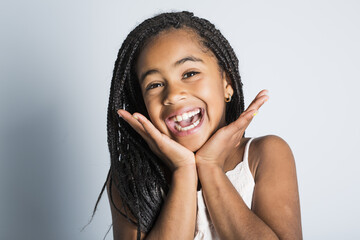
(242, 180)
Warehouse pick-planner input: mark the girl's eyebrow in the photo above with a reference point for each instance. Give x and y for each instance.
(187, 58)
(177, 63)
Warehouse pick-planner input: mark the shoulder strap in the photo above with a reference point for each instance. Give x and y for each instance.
(246, 152)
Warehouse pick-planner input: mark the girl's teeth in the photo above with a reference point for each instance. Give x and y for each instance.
(185, 116)
(178, 118)
(196, 123)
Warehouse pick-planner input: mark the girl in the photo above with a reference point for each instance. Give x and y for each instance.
(181, 166)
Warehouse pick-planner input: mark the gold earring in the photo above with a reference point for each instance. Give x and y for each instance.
(228, 99)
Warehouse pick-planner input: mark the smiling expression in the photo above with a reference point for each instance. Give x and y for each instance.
(183, 87)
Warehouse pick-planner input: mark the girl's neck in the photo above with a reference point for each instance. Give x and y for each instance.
(236, 156)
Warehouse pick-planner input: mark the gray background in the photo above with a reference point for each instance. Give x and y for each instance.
(56, 61)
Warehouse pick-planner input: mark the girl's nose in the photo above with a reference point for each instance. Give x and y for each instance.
(174, 94)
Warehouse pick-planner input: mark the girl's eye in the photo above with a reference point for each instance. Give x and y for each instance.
(154, 85)
(190, 74)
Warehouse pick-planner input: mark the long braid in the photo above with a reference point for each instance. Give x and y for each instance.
(132, 161)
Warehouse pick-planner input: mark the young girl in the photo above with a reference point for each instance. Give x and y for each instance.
(181, 166)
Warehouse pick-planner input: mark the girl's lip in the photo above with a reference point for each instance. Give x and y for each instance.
(171, 124)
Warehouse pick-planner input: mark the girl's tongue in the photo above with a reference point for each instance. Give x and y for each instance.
(185, 123)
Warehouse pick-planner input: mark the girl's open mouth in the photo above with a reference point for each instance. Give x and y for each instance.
(186, 123)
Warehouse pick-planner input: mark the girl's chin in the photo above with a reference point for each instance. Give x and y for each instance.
(193, 145)
(192, 148)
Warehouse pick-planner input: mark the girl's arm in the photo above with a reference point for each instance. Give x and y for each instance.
(275, 211)
(178, 214)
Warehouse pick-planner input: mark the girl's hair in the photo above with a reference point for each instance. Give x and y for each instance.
(136, 172)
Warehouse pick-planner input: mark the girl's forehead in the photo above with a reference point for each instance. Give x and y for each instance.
(170, 43)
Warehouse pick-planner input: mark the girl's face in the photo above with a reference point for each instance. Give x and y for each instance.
(183, 87)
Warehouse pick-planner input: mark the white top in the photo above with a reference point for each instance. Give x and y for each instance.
(243, 182)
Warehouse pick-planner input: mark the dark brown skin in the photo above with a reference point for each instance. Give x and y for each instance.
(275, 211)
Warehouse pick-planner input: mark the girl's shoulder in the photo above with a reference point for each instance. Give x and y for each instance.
(276, 196)
(266, 151)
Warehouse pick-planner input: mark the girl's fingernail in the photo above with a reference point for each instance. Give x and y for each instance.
(256, 112)
(136, 117)
(119, 114)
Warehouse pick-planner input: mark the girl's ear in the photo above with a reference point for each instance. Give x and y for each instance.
(228, 90)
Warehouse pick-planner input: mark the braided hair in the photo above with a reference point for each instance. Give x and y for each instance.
(136, 172)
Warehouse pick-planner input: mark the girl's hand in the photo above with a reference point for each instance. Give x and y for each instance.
(226, 139)
(172, 153)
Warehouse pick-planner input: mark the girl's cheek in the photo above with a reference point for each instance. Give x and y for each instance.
(209, 89)
(153, 107)
(152, 102)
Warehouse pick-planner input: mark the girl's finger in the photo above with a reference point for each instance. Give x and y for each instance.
(259, 100)
(242, 122)
(130, 119)
(148, 126)
(134, 123)
(246, 117)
